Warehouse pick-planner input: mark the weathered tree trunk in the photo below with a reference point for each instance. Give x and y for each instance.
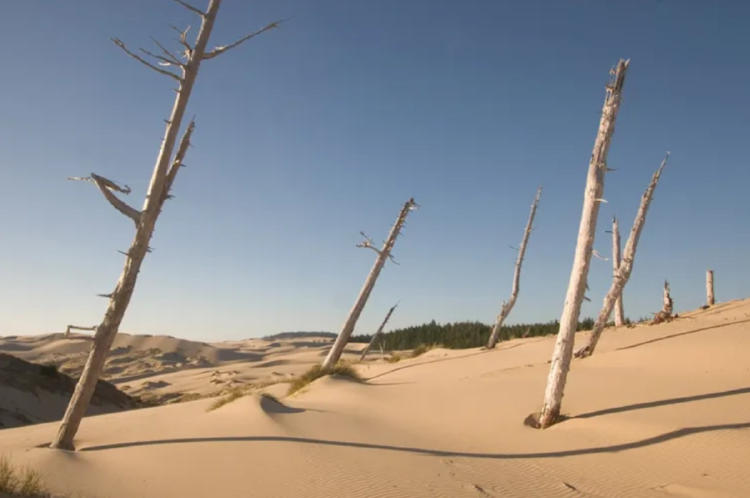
(665, 314)
(560, 363)
(384, 253)
(619, 310)
(710, 288)
(164, 173)
(508, 305)
(377, 333)
(622, 274)
(77, 327)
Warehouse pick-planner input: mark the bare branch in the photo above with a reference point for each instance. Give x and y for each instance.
(164, 61)
(191, 8)
(106, 187)
(178, 158)
(223, 48)
(166, 52)
(183, 41)
(143, 61)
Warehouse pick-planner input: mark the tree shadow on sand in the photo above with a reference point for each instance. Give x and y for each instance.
(667, 436)
(672, 336)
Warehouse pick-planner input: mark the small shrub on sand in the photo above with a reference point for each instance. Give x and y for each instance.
(422, 349)
(317, 372)
(24, 483)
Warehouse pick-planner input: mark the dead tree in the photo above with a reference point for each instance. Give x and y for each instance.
(619, 310)
(665, 315)
(508, 305)
(183, 68)
(377, 333)
(622, 274)
(563, 352)
(383, 253)
(710, 288)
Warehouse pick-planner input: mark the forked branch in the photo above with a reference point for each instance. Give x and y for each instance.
(178, 158)
(191, 8)
(223, 48)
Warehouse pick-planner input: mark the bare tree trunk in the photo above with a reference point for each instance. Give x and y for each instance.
(384, 253)
(622, 274)
(560, 363)
(710, 288)
(665, 314)
(619, 311)
(164, 173)
(508, 305)
(378, 332)
(77, 327)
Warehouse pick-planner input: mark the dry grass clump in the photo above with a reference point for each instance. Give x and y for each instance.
(316, 372)
(234, 393)
(394, 358)
(423, 348)
(23, 483)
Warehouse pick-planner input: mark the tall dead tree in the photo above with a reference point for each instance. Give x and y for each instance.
(383, 253)
(377, 333)
(183, 68)
(563, 352)
(665, 314)
(508, 305)
(619, 310)
(710, 288)
(622, 274)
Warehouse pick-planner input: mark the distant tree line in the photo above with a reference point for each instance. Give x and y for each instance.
(460, 335)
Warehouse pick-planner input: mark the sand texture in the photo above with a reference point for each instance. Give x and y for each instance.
(659, 411)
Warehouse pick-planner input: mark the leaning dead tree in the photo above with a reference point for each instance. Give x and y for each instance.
(710, 288)
(377, 333)
(622, 274)
(508, 305)
(183, 68)
(665, 315)
(383, 253)
(563, 352)
(619, 310)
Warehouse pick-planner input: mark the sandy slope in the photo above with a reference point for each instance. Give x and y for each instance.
(657, 411)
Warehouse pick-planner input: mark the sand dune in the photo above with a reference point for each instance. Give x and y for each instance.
(658, 411)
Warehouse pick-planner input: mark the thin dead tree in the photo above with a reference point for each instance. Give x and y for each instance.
(508, 305)
(377, 333)
(619, 310)
(622, 274)
(383, 253)
(563, 352)
(710, 301)
(182, 68)
(665, 315)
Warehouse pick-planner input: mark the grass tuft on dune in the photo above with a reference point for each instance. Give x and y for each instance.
(22, 483)
(316, 372)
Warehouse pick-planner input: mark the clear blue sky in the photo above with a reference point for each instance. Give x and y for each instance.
(323, 128)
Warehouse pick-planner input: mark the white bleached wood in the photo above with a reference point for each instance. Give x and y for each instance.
(377, 333)
(77, 327)
(710, 288)
(622, 274)
(665, 314)
(619, 308)
(507, 306)
(384, 253)
(162, 178)
(563, 352)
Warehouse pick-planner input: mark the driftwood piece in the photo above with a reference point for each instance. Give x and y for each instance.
(382, 254)
(162, 177)
(563, 352)
(710, 301)
(626, 266)
(507, 306)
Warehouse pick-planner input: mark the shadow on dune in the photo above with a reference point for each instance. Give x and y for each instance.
(662, 402)
(272, 406)
(664, 338)
(438, 360)
(667, 436)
